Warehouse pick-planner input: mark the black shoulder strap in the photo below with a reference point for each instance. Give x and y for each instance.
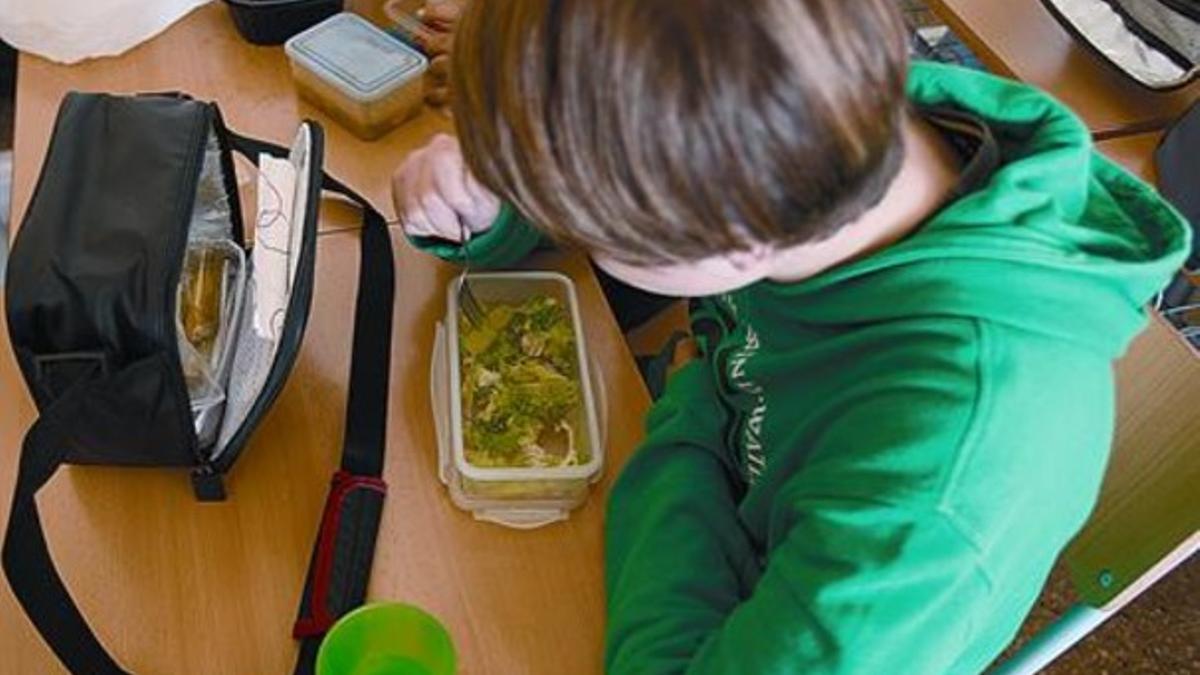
(27, 561)
(340, 568)
(341, 561)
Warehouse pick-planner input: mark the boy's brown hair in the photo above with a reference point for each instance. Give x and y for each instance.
(669, 130)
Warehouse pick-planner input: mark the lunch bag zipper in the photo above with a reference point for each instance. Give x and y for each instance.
(290, 342)
(174, 271)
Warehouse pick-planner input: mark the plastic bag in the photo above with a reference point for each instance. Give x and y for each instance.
(68, 31)
(211, 289)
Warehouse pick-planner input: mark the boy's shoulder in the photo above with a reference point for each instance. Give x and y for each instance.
(1041, 433)
(956, 413)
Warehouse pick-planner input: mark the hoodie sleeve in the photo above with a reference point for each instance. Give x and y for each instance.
(505, 243)
(851, 583)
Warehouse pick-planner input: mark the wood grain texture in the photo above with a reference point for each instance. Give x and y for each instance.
(173, 586)
(1150, 501)
(1020, 39)
(1135, 153)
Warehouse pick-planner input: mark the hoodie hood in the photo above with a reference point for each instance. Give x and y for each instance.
(1057, 241)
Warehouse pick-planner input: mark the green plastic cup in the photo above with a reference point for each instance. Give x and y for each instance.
(387, 639)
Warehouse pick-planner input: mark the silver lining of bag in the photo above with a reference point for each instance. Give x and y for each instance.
(1105, 29)
(242, 360)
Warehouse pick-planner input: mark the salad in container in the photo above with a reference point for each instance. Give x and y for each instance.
(515, 402)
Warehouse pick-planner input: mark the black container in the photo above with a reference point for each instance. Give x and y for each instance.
(272, 22)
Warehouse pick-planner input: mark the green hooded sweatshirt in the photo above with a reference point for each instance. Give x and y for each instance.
(873, 470)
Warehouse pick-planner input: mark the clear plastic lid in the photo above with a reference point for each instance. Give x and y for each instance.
(358, 59)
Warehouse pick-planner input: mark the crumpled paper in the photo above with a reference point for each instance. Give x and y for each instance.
(69, 31)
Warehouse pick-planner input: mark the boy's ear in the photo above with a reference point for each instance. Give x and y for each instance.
(756, 255)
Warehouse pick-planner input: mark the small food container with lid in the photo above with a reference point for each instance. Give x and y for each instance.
(358, 74)
(519, 497)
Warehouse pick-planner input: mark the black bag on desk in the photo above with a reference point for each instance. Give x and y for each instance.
(1156, 43)
(1179, 174)
(93, 290)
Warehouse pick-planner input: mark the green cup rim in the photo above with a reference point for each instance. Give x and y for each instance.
(439, 628)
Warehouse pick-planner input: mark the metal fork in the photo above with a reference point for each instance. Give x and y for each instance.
(470, 305)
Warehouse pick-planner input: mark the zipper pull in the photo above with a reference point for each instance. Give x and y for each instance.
(207, 484)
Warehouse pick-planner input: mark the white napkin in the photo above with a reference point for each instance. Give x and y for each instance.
(274, 245)
(68, 31)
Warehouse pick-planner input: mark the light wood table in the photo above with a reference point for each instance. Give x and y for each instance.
(1149, 504)
(1135, 153)
(1020, 39)
(173, 586)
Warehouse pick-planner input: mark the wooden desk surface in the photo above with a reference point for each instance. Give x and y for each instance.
(1149, 503)
(1134, 152)
(1020, 39)
(173, 586)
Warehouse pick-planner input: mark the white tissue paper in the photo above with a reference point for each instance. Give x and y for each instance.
(274, 245)
(68, 31)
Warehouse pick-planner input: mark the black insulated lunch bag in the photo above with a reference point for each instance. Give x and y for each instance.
(1155, 43)
(152, 334)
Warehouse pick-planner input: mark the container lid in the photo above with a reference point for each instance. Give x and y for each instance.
(360, 60)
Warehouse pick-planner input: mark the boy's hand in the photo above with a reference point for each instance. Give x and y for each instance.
(435, 195)
(440, 18)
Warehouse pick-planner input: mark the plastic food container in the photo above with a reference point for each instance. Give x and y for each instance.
(518, 497)
(271, 22)
(358, 74)
(206, 376)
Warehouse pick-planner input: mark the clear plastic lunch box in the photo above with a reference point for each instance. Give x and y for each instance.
(517, 497)
(360, 75)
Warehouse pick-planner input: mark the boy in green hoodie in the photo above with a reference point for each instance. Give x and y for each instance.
(909, 284)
